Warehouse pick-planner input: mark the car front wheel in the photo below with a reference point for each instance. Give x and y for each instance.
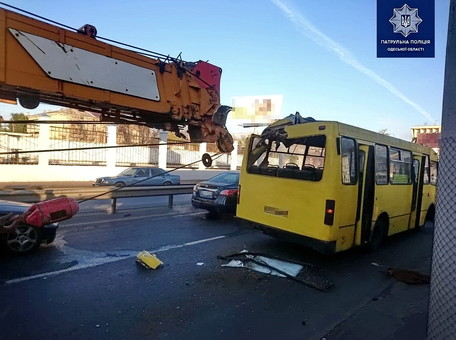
(23, 240)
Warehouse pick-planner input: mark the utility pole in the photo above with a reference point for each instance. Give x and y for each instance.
(442, 303)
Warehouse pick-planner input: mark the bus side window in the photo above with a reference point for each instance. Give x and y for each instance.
(434, 173)
(416, 170)
(400, 166)
(381, 164)
(426, 170)
(349, 175)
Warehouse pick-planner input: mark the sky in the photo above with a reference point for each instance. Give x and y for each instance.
(320, 55)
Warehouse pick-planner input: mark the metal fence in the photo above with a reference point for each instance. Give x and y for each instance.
(12, 142)
(442, 300)
(70, 139)
(442, 308)
(137, 155)
(181, 154)
(83, 145)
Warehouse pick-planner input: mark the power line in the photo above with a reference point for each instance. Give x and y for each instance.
(91, 148)
(64, 122)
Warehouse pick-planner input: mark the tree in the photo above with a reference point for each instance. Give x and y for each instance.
(384, 132)
(18, 128)
(2, 127)
(135, 134)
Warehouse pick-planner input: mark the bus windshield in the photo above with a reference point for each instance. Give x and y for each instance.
(300, 158)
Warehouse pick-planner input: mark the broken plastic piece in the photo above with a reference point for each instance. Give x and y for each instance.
(148, 260)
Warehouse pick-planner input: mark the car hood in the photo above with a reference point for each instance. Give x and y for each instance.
(14, 207)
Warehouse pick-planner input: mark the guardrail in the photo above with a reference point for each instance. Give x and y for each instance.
(168, 190)
(32, 196)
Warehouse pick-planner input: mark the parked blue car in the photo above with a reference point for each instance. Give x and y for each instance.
(139, 176)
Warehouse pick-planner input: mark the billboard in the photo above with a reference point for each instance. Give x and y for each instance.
(255, 110)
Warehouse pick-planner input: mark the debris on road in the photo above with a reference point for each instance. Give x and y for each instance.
(148, 260)
(266, 265)
(412, 277)
(302, 273)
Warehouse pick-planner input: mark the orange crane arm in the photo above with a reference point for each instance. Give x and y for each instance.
(43, 62)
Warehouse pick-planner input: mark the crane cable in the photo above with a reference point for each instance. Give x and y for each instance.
(91, 148)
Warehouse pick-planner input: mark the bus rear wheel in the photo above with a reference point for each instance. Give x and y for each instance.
(430, 215)
(378, 235)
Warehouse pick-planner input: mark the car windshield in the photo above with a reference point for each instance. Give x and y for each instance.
(128, 172)
(226, 178)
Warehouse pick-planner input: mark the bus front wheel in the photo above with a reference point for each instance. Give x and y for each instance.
(378, 235)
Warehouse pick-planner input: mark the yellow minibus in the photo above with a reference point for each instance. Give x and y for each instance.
(333, 186)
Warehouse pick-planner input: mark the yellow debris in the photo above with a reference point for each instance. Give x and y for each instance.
(148, 260)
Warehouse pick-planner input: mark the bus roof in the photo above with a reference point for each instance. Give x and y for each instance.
(358, 133)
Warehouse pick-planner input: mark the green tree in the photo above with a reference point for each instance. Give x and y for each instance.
(2, 126)
(18, 128)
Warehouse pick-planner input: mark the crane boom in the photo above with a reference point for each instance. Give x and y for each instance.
(43, 62)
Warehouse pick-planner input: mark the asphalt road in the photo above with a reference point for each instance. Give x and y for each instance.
(87, 285)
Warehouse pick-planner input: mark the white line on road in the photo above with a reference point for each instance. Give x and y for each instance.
(132, 218)
(108, 258)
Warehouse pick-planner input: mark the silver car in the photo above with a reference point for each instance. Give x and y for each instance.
(139, 176)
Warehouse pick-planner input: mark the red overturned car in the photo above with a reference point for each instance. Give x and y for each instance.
(24, 227)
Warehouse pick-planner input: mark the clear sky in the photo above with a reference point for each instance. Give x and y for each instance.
(319, 54)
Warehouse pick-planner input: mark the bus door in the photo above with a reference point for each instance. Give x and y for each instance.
(417, 198)
(366, 193)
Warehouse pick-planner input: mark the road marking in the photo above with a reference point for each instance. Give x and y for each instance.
(121, 218)
(109, 257)
(106, 208)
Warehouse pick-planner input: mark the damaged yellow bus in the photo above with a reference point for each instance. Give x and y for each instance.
(331, 186)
